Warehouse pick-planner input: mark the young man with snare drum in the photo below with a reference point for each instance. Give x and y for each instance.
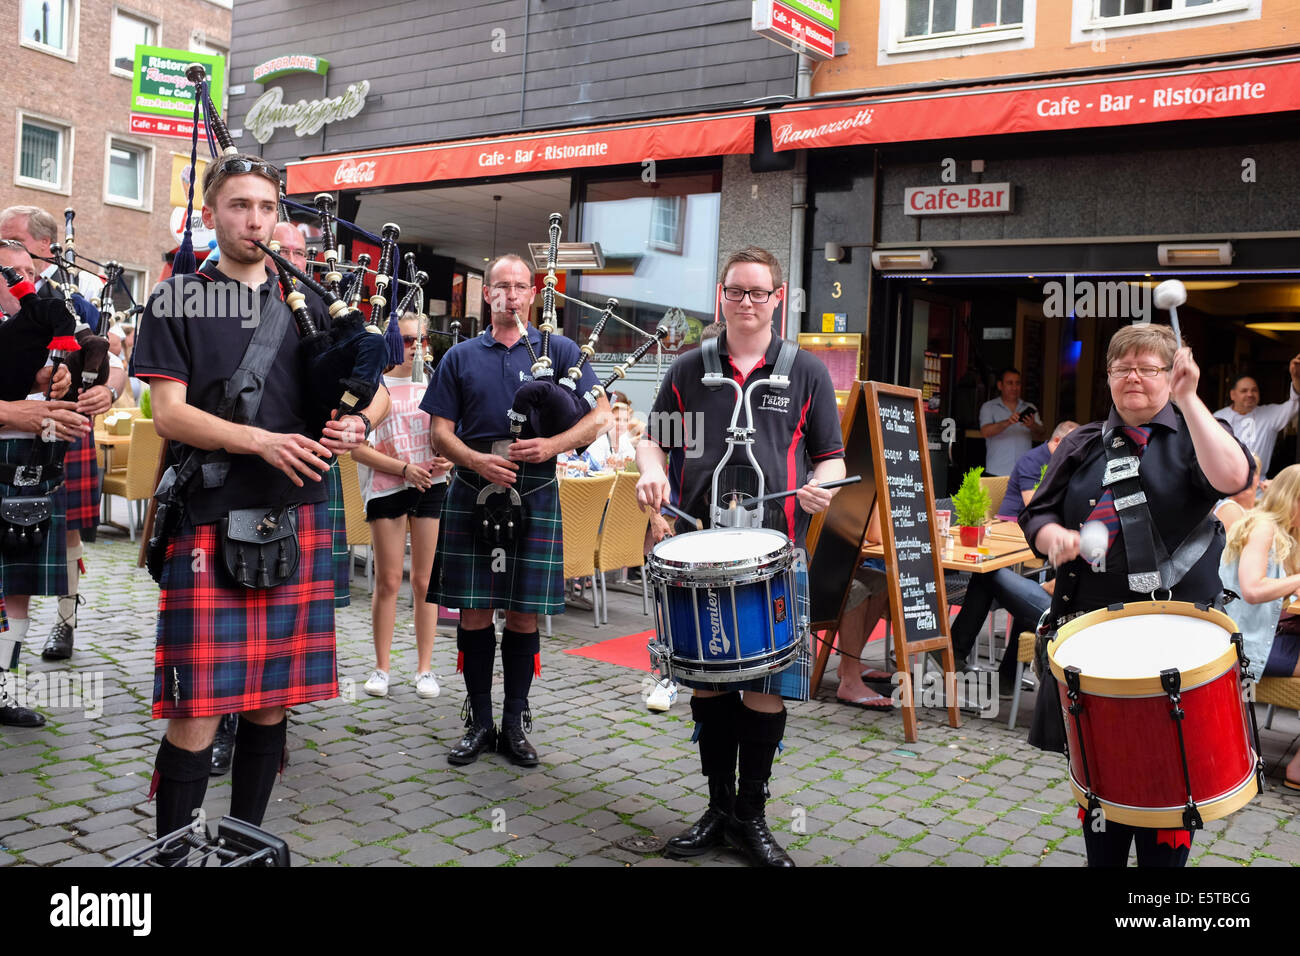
(797, 444)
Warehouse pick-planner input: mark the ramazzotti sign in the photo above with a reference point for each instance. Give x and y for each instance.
(305, 116)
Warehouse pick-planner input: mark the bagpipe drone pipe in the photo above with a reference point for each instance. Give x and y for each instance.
(544, 407)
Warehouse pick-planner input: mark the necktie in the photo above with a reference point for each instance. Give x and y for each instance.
(1105, 507)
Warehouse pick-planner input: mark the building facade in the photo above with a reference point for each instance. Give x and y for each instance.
(68, 66)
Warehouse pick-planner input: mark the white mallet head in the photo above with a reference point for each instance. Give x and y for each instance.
(1170, 294)
(1093, 538)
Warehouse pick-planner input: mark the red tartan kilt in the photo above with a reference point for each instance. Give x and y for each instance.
(225, 649)
(81, 483)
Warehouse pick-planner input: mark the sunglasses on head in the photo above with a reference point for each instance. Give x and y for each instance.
(239, 165)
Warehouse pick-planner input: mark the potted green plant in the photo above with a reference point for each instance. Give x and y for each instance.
(970, 506)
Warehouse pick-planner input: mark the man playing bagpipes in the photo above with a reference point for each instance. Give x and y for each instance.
(500, 541)
(36, 229)
(31, 432)
(246, 613)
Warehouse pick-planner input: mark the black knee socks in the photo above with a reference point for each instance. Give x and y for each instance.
(759, 736)
(182, 782)
(519, 652)
(259, 751)
(478, 650)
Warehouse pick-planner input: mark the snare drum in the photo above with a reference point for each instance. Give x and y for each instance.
(730, 604)
(1126, 745)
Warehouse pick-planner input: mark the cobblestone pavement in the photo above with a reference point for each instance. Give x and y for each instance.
(368, 782)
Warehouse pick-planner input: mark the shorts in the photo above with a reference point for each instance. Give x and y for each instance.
(408, 502)
(1284, 653)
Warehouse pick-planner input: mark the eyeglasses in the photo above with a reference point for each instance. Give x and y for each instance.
(1121, 372)
(756, 296)
(409, 340)
(239, 165)
(512, 287)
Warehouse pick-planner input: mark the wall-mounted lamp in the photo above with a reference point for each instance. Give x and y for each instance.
(1195, 253)
(835, 252)
(898, 260)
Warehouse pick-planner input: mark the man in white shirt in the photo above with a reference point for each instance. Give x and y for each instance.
(1010, 426)
(1258, 425)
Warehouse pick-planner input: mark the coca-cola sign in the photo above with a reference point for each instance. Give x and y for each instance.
(353, 173)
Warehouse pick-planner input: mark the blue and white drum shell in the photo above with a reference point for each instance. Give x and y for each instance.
(730, 604)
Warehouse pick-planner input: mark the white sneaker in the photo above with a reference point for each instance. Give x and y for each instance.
(663, 696)
(377, 685)
(426, 685)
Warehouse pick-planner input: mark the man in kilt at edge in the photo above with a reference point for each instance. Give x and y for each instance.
(221, 647)
(798, 445)
(36, 569)
(36, 229)
(468, 398)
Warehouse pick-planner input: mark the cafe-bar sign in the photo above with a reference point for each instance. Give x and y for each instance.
(158, 83)
(957, 200)
(799, 31)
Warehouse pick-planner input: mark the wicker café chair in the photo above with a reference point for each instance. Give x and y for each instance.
(582, 506)
(622, 538)
(135, 483)
(1277, 692)
(354, 517)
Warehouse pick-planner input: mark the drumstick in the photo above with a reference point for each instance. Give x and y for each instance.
(851, 480)
(699, 525)
(1094, 536)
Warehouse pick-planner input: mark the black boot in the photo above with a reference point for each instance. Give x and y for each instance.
(715, 718)
(759, 736)
(58, 646)
(478, 651)
(259, 755)
(519, 656)
(13, 714)
(181, 782)
(223, 745)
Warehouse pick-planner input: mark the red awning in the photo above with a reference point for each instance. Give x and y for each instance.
(611, 144)
(1207, 91)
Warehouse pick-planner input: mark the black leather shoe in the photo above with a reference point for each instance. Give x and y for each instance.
(512, 742)
(59, 645)
(755, 840)
(707, 833)
(223, 745)
(11, 715)
(476, 741)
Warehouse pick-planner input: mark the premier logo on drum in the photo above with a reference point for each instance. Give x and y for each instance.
(718, 643)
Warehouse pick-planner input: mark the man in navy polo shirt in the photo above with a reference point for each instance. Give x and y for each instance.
(471, 392)
(1029, 468)
(797, 431)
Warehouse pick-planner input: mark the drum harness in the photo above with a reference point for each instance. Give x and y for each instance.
(1158, 571)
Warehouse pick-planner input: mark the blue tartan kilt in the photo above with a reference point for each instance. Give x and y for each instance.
(790, 683)
(531, 578)
(81, 486)
(42, 570)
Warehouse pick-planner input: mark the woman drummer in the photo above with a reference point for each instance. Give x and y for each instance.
(1186, 462)
(1260, 563)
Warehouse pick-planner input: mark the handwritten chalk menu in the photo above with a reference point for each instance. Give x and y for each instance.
(905, 496)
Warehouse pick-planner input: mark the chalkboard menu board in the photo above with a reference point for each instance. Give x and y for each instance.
(907, 505)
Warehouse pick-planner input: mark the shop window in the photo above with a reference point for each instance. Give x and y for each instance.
(912, 25)
(661, 259)
(129, 31)
(43, 154)
(128, 177)
(47, 25)
(1118, 13)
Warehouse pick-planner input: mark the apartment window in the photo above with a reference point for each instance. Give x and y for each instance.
(127, 180)
(667, 218)
(934, 18)
(44, 150)
(1127, 8)
(200, 43)
(129, 31)
(134, 279)
(47, 25)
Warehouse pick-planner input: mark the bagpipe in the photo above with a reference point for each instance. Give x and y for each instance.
(344, 363)
(546, 407)
(27, 340)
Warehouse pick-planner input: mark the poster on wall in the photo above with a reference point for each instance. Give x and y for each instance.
(458, 296)
(474, 296)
